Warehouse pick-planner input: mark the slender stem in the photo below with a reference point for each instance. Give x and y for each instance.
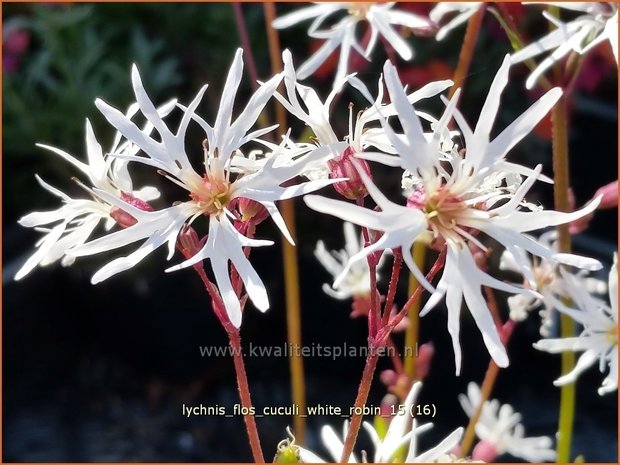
(360, 401)
(246, 44)
(291, 268)
(567, 325)
(438, 265)
(492, 303)
(389, 301)
(467, 50)
(396, 361)
(234, 340)
(244, 393)
(485, 393)
(512, 31)
(275, 56)
(411, 335)
(374, 344)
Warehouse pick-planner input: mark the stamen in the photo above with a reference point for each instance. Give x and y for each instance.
(171, 179)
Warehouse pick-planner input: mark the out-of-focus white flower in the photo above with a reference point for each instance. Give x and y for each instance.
(357, 281)
(304, 103)
(500, 431)
(599, 338)
(598, 24)
(464, 11)
(402, 431)
(381, 18)
(77, 218)
(547, 281)
(457, 197)
(210, 193)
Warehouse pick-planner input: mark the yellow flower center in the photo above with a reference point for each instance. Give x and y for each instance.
(612, 335)
(359, 9)
(212, 195)
(443, 210)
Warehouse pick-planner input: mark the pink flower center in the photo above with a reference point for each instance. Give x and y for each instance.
(212, 195)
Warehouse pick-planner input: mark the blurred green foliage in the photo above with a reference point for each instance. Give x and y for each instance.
(78, 52)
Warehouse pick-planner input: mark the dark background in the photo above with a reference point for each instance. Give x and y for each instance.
(99, 373)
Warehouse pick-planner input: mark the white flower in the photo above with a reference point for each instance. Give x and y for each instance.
(547, 282)
(77, 218)
(402, 430)
(357, 280)
(381, 19)
(457, 197)
(599, 338)
(499, 427)
(598, 24)
(465, 10)
(304, 103)
(210, 193)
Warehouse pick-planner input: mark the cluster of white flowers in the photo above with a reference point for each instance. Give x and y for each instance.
(500, 431)
(460, 188)
(402, 432)
(457, 197)
(599, 338)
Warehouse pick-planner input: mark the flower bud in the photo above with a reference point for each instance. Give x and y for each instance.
(252, 210)
(388, 377)
(484, 451)
(189, 241)
(124, 219)
(610, 195)
(344, 167)
(425, 357)
(388, 405)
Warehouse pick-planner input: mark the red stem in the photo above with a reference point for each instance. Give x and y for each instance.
(398, 363)
(360, 401)
(245, 43)
(234, 339)
(438, 265)
(244, 394)
(389, 301)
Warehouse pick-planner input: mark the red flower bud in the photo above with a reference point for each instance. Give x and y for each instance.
(252, 210)
(343, 167)
(124, 219)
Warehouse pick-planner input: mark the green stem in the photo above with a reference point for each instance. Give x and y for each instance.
(411, 334)
(567, 325)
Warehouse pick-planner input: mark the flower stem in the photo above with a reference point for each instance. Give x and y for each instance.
(389, 301)
(291, 268)
(467, 50)
(567, 326)
(234, 340)
(360, 401)
(516, 41)
(246, 44)
(374, 344)
(411, 335)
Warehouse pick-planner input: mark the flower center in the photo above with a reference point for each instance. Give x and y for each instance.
(359, 9)
(212, 195)
(443, 210)
(543, 277)
(612, 335)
